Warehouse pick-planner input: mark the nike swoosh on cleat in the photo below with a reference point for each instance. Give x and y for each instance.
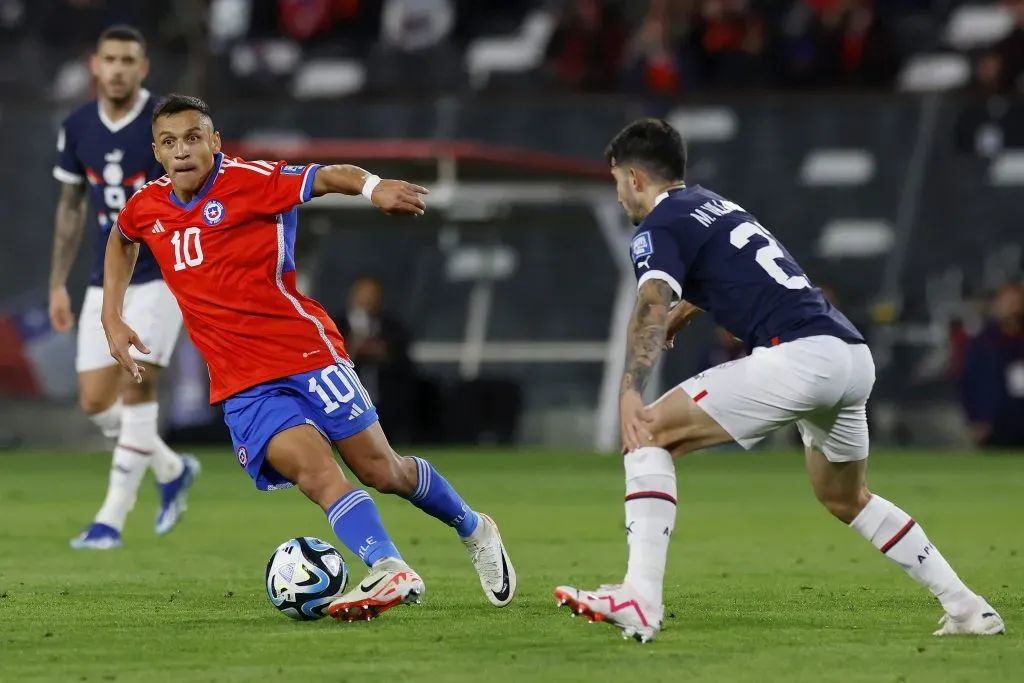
(366, 588)
(502, 595)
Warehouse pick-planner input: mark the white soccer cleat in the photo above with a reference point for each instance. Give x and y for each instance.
(390, 582)
(619, 605)
(491, 561)
(984, 621)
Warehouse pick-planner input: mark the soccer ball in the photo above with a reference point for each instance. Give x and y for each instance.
(303, 576)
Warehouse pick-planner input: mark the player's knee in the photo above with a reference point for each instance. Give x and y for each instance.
(321, 481)
(844, 505)
(94, 404)
(388, 473)
(679, 440)
(140, 392)
(674, 444)
(682, 428)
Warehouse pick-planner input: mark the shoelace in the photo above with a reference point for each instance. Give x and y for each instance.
(491, 566)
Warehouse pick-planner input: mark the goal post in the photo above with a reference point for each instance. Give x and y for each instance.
(481, 189)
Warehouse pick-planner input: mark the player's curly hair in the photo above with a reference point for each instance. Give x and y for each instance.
(176, 103)
(652, 144)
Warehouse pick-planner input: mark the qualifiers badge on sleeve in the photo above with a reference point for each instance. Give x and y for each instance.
(642, 248)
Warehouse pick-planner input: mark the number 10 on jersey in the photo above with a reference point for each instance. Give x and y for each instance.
(188, 251)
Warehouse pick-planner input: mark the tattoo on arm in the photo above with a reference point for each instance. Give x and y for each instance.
(68, 228)
(646, 335)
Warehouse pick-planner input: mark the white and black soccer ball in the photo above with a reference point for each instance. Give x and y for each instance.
(304, 575)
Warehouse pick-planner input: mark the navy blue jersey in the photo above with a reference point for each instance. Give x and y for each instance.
(115, 159)
(717, 256)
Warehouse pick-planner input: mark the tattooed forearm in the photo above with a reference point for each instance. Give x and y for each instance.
(69, 224)
(646, 334)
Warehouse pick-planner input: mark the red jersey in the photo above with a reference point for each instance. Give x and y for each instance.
(228, 258)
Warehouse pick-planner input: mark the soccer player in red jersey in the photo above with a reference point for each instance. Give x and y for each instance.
(222, 230)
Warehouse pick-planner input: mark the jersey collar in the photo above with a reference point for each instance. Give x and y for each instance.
(217, 158)
(129, 118)
(664, 195)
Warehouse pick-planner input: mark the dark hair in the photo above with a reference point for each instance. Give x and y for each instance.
(652, 144)
(368, 278)
(175, 104)
(123, 33)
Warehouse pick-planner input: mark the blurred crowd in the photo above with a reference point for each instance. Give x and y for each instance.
(987, 366)
(667, 47)
(686, 45)
(989, 122)
(999, 68)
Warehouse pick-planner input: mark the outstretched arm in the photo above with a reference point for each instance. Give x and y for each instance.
(646, 337)
(118, 266)
(390, 196)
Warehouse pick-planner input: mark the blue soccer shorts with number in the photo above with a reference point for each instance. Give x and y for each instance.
(331, 399)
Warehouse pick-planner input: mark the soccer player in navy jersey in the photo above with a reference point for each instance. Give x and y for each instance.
(104, 156)
(694, 250)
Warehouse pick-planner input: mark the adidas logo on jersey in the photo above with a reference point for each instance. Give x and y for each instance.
(356, 412)
(157, 227)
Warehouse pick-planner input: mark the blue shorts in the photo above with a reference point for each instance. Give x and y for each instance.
(332, 399)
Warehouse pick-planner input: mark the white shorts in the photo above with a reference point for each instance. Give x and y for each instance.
(821, 383)
(150, 310)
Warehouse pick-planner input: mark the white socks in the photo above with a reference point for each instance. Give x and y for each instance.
(650, 518)
(132, 455)
(651, 514)
(903, 541)
(138, 447)
(167, 465)
(109, 421)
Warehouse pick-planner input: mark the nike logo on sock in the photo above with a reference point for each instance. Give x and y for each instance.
(502, 595)
(369, 587)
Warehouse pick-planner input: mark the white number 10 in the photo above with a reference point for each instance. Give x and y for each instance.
(331, 404)
(188, 252)
(767, 256)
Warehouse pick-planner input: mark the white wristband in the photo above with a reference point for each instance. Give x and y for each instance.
(372, 181)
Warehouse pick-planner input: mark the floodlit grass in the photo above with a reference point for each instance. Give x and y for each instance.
(762, 584)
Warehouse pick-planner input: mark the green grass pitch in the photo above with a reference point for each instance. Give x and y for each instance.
(763, 585)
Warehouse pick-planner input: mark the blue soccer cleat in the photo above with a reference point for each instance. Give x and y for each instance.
(97, 537)
(174, 496)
